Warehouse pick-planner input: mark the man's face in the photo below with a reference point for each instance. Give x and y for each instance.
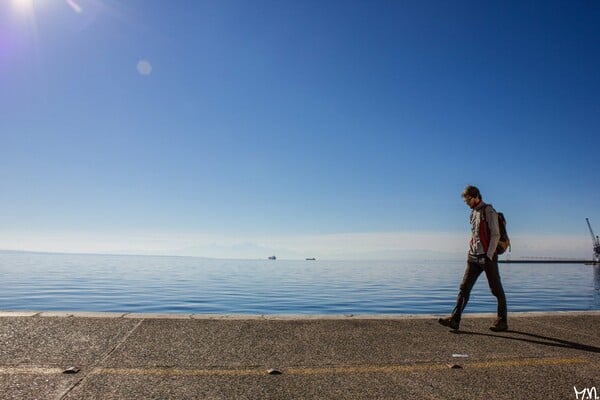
(471, 201)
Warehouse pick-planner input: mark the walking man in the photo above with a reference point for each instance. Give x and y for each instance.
(481, 257)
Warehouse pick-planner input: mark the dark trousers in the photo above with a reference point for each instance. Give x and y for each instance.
(472, 272)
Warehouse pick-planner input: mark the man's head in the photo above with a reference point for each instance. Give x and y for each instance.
(471, 196)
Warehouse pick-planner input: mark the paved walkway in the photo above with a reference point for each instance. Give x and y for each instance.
(128, 356)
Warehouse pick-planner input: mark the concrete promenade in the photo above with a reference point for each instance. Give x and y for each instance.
(143, 356)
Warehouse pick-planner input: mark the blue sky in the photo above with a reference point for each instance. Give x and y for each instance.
(340, 129)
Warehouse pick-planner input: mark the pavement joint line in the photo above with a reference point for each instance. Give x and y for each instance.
(100, 361)
(354, 369)
(123, 340)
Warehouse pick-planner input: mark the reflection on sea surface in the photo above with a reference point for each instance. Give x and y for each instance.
(596, 285)
(193, 285)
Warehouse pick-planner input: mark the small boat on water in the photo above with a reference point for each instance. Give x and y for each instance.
(310, 259)
(272, 258)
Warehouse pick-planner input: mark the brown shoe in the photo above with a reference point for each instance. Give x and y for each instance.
(449, 322)
(499, 325)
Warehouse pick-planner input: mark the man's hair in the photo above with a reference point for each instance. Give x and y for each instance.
(471, 191)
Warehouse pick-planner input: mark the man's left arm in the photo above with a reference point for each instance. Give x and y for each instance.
(492, 219)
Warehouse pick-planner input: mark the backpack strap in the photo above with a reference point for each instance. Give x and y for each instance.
(484, 232)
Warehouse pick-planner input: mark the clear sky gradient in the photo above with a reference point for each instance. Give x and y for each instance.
(340, 129)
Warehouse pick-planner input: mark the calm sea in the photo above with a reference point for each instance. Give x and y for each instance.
(194, 285)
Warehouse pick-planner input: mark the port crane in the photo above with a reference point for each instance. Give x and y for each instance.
(595, 241)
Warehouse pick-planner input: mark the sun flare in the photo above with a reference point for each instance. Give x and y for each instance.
(23, 5)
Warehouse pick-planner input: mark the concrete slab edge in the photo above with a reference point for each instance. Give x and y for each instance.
(276, 317)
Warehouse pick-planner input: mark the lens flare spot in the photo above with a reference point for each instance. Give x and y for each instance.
(74, 6)
(144, 67)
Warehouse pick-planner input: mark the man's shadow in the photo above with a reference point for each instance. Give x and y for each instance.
(536, 339)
